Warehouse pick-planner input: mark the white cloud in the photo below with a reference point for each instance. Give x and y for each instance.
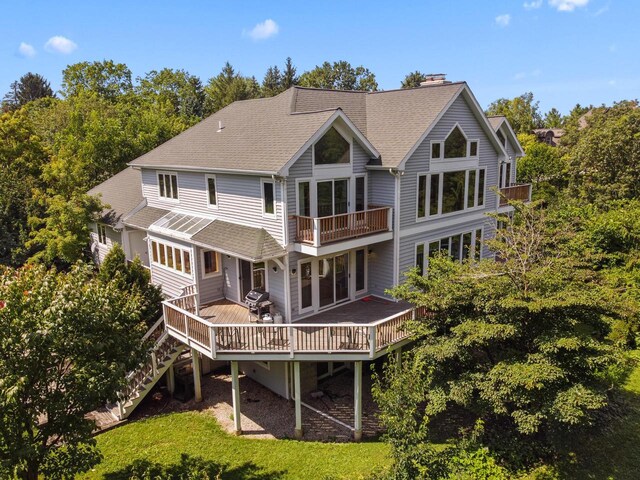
(60, 44)
(263, 30)
(602, 10)
(503, 20)
(567, 5)
(532, 5)
(26, 50)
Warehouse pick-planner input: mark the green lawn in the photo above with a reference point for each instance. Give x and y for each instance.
(614, 452)
(164, 438)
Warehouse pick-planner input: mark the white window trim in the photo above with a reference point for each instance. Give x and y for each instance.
(357, 292)
(218, 260)
(101, 230)
(182, 248)
(469, 142)
(440, 189)
(239, 269)
(263, 181)
(352, 201)
(431, 143)
(215, 182)
(461, 233)
(265, 365)
(312, 189)
(314, 272)
(168, 199)
(347, 138)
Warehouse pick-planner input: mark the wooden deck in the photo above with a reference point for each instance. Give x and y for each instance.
(366, 310)
(362, 329)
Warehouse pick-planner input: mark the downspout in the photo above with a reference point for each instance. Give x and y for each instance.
(285, 237)
(396, 225)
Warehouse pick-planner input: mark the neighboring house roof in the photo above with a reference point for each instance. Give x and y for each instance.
(551, 136)
(249, 243)
(145, 217)
(122, 193)
(265, 136)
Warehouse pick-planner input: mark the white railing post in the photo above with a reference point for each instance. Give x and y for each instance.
(390, 218)
(154, 364)
(292, 347)
(186, 328)
(316, 232)
(212, 340)
(372, 341)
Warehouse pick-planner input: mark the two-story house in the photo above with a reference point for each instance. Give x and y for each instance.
(321, 198)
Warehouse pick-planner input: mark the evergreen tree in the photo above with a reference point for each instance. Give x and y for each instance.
(31, 86)
(413, 79)
(289, 77)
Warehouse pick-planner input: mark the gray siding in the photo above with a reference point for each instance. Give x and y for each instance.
(382, 188)
(302, 168)
(408, 243)
(209, 289)
(380, 268)
(419, 162)
(99, 250)
(274, 378)
(239, 199)
(276, 287)
(294, 257)
(360, 159)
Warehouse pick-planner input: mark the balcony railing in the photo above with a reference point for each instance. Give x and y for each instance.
(286, 339)
(323, 230)
(521, 193)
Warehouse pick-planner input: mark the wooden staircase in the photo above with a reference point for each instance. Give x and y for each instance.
(164, 352)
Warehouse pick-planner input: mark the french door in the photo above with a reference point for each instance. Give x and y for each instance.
(252, 276)
(332, 197)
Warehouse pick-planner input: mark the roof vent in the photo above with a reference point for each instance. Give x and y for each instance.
(434, 79)
(220, 126)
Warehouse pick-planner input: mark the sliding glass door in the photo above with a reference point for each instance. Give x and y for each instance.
(332, 197)
(333, 282)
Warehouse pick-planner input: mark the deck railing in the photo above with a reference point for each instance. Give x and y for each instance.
(323, 230)
(520, 192)
(289, 339)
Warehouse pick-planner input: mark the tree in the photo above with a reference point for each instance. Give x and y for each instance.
(518, 345)
(543, 166)
(133, 278)
(413, 79)
(289, 77)
(107, 79)
(339, 76)
(22, 157)
(272, 82)
(68, 342)
(228, 87)
(183, 91)
(553, 119)
(522, 112)
(31, 86)
(61, 235)
(604, 154)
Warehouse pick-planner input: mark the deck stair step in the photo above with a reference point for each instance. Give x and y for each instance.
(140, 382)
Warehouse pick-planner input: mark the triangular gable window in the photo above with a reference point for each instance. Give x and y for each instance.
(332, 148)
(455, 146)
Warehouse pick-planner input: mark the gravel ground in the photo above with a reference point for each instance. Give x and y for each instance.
(267, 415)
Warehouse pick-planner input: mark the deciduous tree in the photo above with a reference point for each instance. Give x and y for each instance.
(522, 112)
(229, 86)
(106, 79)
(68, 340)
(413, 79)
(339, 76)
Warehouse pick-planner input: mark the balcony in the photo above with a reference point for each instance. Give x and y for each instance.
(521, 193)
(315, 234)
(355, 331)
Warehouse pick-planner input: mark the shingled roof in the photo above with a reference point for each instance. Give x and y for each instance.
(122, 192)
(264, 135)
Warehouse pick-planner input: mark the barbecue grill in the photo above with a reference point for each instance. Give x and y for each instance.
(257, 301)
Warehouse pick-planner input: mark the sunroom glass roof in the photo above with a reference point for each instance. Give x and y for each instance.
(182, 223)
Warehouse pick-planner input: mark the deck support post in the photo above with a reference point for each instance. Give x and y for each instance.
(195, 360)
(235, 393)
(171, 380)
(357, 400)
(298, 399)
(398, 358)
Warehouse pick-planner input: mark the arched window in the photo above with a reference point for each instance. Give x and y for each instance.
(455, 146)
(332, 148)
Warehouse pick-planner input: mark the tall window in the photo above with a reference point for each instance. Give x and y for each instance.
(268, 198)
(304, 199)
(332, 148)
(501, 137)
(306, 295)
(172, 257)
(212, 193)
(459, 247)
(102, 234)
(450, 192)
(168, 185)
(210, 263)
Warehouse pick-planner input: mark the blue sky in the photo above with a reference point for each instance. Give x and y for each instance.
(564, 51)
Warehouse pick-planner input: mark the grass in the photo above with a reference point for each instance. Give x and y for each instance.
(164, 438)
(613, 452)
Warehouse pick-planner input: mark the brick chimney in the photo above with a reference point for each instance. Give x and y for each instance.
(434, 79)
